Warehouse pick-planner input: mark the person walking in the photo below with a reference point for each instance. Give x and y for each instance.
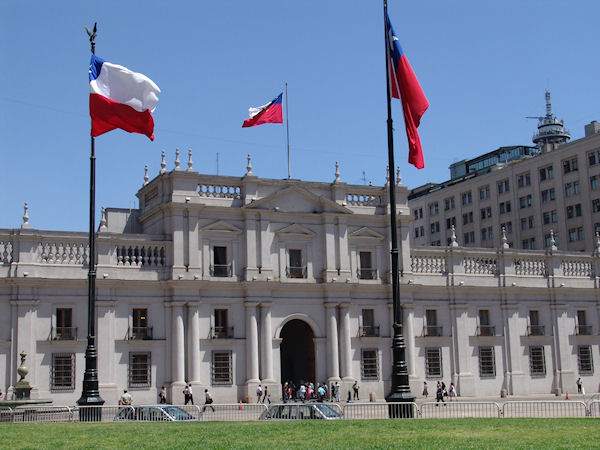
(188, 394)
(425, 389)
(439, 393)
(266, 395)
(579, 384)
(355, 388)
(337, 392)
(452, 392)
(259, 393)
(162, 396)
(126, 398)
(208, 400)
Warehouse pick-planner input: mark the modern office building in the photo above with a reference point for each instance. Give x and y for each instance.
(531, 192)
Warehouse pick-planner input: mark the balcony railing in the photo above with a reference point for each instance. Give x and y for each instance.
(295, 272)
(139, 333)
(220, 270)
(486, 330)
(367, 274)
(535, 330)
(369, 331)
(583, 330)
(221, 332)
(64, 333)
(432, 331)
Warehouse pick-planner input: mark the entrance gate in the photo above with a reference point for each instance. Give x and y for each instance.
(297, 353)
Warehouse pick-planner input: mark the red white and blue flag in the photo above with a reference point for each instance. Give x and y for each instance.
(405, 86)
(272, 112)
(121, 98)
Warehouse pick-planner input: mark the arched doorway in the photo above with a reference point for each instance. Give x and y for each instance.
(297, 352)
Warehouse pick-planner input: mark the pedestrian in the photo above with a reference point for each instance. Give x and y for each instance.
(579, 384)
(321, 393)
(452, 391)
(162, 395)
(207, 401)
(425, 389)
(284, 392)
(125, 398)
(188, 394)
(332, 392)
(302, 392)
(439, 393)
(355, 388)
(337, 392)
(444, 391)
(259, 393)
(266, 395)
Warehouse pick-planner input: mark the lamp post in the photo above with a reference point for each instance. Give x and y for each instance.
(90, 395)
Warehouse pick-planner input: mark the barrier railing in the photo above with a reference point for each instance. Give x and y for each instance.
(42, 414)
(380, 410)
(594, 408)
(6, 414)
(549, 408)
(234, 412)
(458, 410)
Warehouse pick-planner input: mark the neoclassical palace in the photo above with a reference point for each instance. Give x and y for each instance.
(227, 282)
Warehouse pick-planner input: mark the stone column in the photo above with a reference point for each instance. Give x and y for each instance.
(409, 338)
(177, 352)
(266, 348)
(193, 336)
(345, 343)
(251, 344)
(333, 371)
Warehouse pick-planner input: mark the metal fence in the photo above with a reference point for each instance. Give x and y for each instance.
(594, 408)
(379, 410)
(235, 412)
(457, 410)
(550, 408)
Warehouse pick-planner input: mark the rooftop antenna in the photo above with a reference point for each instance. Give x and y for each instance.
(364, 178)
(217, 163)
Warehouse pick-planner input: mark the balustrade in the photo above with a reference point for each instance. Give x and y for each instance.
(219, 191)
(141, 255)
(577, 268)
(6, 252)
(63, 253)
(363, 199)
(428, 263)
(480, 265)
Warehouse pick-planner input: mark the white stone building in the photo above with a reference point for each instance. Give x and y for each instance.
(228, 282)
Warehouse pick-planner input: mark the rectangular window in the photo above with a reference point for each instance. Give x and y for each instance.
(449, 203)
(591, 158)
(64, 324)
(432, 328)
(368, 323)
(580, 233)
(596, 205)
(554, 215)
(546, 217)
(296, 270)
(369, 365)
(546, 173)
(507, 226)
(220, 266)
(140, 370)
(503, 186)
(221, 324)
(221, 370)
(450, 222)
(537, 361)
(435, 227)
(568, 189)
(484, 193)
(366, 266)
(569, 165)
(63, 371)
(140, 328)
(487, 362)
(594, 182)
(433, 362)
(433, 209)
(584, 359)
(467, 198)
(582, 326)
(571, 234)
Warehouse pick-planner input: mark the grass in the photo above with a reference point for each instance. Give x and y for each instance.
(426, 433)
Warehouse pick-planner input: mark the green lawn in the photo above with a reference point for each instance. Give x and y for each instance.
(427, 433)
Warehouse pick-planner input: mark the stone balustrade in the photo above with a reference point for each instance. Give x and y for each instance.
(146, 256)
(6, 252)
(63, 252)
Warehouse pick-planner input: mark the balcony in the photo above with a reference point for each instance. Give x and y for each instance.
(139, 333)
(367, 274)
(583, 330)
(295, 272)
(369, 331)
(432, 331)
(64, 333)
(535, 330)
(221, 333)
(486, 330)
(220, 270)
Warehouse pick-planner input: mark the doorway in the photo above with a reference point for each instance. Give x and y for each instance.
(297, 352)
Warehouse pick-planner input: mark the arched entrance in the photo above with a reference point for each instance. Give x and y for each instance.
(297, 352)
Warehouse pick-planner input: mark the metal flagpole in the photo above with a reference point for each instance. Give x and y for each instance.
(90, 395)
(287, 126)
(400, 389)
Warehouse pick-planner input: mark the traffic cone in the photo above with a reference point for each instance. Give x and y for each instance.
(240, 407)
(567, 397)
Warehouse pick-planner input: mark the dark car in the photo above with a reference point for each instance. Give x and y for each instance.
(152, 413)
(300, 411)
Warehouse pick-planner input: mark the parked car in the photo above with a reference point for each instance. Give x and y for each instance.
(300, 411)
(152, 413)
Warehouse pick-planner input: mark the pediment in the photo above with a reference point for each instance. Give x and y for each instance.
(220, 227)
(366, 233)
(295, 231)
(295, 199)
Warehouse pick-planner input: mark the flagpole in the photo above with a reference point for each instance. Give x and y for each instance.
(90, 395)
(400, 389)
(287, 127)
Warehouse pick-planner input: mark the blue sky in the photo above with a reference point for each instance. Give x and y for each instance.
(484, 66)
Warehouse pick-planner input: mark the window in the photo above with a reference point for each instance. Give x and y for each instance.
(369, 365)
(574, 211)
(64, 324)
(484, 192)
(220, 267)
(537, 361)
(546, 173)
(368, 323)
(554, 215)
(507, 227)
(535, 329)
(467, 198)
(222, 329)
(569, 165)
(548, 195)
(221, 368)
(433, 209)
(139, 329)
(582, 327)
(584, 359)
(139, 370)
(505, 207)
(487, 362)
(418, 213)
(450, 222)
(486, 212)
(591, 158)
(469, 237)
(468, 218)
(487, 233)
(296, 270)
(523, 223)
(571, 234)
(366, 266)
(594, 182)
(431, 328)
(525, 201)
(548, 240)
(524, 180)
(433, 362)
(546, 217)
(528, 244)
(449, 203)
(503, 186)
(596, 205)
(485, 329)
(63, 371)
(435, 227)
(580, 233)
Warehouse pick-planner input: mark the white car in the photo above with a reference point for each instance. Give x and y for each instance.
(152, 413)
(300, 411)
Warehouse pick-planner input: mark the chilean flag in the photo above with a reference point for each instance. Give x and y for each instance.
(272, 112)
(405, 86)
(120, 98)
